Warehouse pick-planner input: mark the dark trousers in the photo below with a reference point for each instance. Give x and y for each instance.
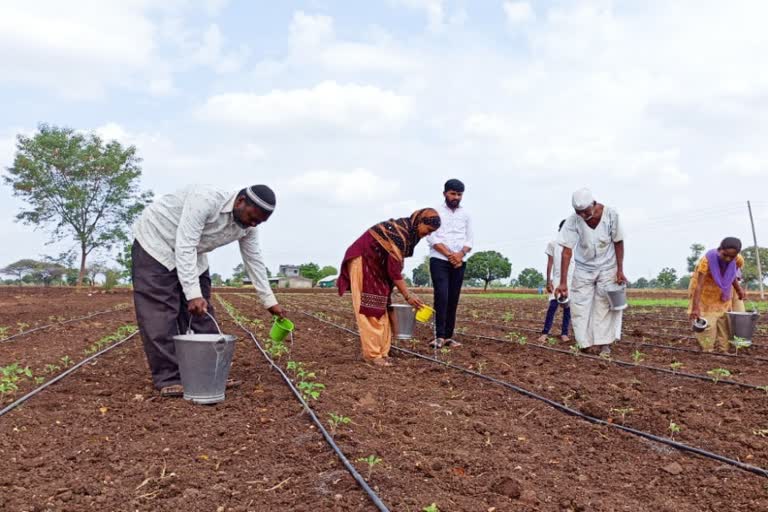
(553, 305)
(446, 281)
(161, 313)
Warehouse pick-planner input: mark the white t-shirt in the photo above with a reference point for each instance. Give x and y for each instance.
(592, 248)
(556, 251)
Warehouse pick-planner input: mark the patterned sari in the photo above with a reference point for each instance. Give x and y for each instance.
(382, 249)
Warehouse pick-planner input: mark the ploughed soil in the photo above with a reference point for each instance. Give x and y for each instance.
(23, 308)
(101, 439)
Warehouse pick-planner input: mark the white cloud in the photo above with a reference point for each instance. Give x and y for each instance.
(745, 164)
(491, 125)
(359, 107)
(359, 186)
(211, 52)
(434, 10)
(518, 13)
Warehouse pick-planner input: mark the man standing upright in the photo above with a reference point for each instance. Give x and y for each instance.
(449, 245)
(594, 237)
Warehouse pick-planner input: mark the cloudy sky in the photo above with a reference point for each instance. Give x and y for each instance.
(359, 111)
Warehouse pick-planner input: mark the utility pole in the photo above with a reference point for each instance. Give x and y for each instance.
(757, 252)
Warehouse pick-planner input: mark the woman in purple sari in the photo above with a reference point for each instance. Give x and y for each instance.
(713, 285)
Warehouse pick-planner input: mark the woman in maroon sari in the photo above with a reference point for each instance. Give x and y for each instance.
(373, 267)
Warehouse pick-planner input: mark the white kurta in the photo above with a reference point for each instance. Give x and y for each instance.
(556, 251)
(594, 261)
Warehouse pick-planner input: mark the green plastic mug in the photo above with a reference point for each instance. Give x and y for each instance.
(281, 328)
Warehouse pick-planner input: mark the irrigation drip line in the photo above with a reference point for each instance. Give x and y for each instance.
(30, 331)
(642, 343)
(573, 412)
(348, 465)
(60, 376)
(623, 363)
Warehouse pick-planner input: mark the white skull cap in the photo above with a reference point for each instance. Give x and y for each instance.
(582, 199)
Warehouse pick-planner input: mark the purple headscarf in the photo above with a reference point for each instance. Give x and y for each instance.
(724, 280)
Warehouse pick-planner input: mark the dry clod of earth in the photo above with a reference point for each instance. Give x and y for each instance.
(509, 487)
(673, 469)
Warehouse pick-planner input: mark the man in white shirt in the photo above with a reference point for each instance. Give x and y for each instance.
(554, 252)
(171, 282)
(449, 245)
(594, 237)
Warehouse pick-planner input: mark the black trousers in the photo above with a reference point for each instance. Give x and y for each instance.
(161, 313)
(447, 282)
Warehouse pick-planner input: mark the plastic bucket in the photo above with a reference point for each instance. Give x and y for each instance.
(402, 318)
(424, 314)
(204, 362)
(743, 324)
(281, 328)
(617, 296)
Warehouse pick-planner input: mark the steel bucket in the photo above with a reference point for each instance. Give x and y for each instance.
(204, 362)
(743, 325)
(617, 296)
(402, 318)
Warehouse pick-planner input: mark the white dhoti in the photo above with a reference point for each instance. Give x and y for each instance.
(593, 321)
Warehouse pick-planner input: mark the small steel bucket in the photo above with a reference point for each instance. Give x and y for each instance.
(402, 318)
(204, 362)
(700, 325)
(743, 325)
(617, 296)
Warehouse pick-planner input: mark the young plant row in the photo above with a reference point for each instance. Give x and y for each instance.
(122, 332)
(12, 375)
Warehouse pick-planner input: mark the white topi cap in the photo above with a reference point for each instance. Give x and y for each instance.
(582, 199)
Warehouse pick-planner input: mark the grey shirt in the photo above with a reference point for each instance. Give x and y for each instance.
(178, 230)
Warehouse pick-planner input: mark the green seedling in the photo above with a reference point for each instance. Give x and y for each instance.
(623, 412)
(4, 332)
(431, 508)
(718, 373)
(22, 326)
(522, 340)
(575, 349)
(10, 375)
(39, 380)
(311, 390)
(66, 361)
(372, 461)
(551, 341)
(764, 388)
(475, 314)
(638, 356)
(739, 343)
(674, 428)
(481, 366)
(121, 333)
(675, 365)
(336, 421)
(51, 368)
(508, 317)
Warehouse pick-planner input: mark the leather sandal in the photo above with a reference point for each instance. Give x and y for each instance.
(172, 391)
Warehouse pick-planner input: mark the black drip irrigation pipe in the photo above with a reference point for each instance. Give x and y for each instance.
(641, 343)
(623, 363)
(60, 376)
(30, 331)
(573, 412)
(348, 465)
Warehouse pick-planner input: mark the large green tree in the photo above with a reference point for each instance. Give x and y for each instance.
(20, 268)
(667, 278)
(530, 278)
(77, 185)
(749, 272)
(327, 271)
(310, 270)
(641, 283)
(421, 274)
(488, 266)
(696, 251)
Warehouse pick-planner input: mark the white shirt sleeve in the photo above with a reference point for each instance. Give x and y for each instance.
(434, 238)
(254, 266)
(194, 215)
(569, 235)
(617, 227)
(470, 234)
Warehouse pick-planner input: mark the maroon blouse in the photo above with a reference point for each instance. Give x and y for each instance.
(380, 271)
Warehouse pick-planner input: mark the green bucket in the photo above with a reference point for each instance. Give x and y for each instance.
(281, 328)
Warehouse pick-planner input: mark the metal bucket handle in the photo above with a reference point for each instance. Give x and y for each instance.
(189, 327)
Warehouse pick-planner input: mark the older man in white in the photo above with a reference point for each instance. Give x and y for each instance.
(593, 237)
